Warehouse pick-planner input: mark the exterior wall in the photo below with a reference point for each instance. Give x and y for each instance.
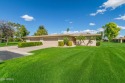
(86, 43)
(33, 40)
(53, 41)
(50, 41)
(60, 38)
(27, 40)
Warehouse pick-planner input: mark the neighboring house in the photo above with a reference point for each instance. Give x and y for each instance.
(120, 40)
(53, 39)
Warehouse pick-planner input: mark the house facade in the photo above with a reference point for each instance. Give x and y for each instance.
(53, 39)
(120, 40)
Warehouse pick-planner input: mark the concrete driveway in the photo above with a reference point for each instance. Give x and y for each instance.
(13, 51)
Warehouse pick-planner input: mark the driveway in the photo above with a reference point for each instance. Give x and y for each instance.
(13, 51)
(5, 55)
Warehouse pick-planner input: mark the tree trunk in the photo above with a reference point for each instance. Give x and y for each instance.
(22, 40)
(7, 42)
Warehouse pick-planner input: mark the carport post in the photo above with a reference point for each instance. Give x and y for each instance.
(120, 40)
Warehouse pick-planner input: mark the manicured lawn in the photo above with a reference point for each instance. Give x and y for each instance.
(9, 44)
(104, 64)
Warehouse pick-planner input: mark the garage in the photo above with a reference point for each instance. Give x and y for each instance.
(50, 41)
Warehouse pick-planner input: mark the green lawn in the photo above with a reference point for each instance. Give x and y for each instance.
(9, 44)
(104, 64)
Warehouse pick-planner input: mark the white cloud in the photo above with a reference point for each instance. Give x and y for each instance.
(92, 24)
(70, 22)
(99, 11)
(82, 31)
(69, 32)
(120, 18)
(90, 31)
(100, 29)
(122, 27)
(27, 17)
(113, 3)
(54, 33)
(119, 36)
(109, 4)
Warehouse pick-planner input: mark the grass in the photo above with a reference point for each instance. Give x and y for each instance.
(104, 64)
(9, 44)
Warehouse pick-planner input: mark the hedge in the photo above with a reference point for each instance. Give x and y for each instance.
(60, 43)
(69, 43)
(97, 43)
(28, 44)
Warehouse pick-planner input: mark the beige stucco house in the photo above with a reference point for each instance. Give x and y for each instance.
(53, 39)
(120, 40)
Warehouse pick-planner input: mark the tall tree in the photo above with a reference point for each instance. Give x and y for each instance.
(6, 31)
(41, 31)
(67, 29)
(111, 30)
(99, 38)
(23, 31)
(20, 31)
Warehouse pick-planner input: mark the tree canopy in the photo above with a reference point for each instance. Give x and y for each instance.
(21, 31)
(68, 29)
(111, 30)
(11, 30)
(41, 31)
(6, 31)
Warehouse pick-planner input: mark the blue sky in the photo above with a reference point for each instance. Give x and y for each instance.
(58, 15)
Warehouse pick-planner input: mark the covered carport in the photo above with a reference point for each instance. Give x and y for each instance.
(120, 40)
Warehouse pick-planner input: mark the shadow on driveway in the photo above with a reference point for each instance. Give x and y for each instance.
(5, 55)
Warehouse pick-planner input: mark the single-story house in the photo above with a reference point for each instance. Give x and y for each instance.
(120, 40)
(53, 39)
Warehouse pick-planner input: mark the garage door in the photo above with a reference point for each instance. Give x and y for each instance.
(50, 41)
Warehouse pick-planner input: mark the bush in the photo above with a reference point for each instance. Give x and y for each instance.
(28, 44)
(66, 40)
(11, 39)
(60, 43)
(69, 43)
(17, 40)
(98, 43)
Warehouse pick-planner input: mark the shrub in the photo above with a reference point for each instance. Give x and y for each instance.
(60, 43)
(10, 39)
(98, 43)
(17, 40)
(69, 43)
(65, 40)
(28, 44)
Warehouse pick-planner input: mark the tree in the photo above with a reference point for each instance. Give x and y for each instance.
(66, 40)
(99, 38)
(20, 31)
(80, 39)
(90, 40)
(41, 31)
(67, 29)
(6, 31)
(23, 31)
(111, 30)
